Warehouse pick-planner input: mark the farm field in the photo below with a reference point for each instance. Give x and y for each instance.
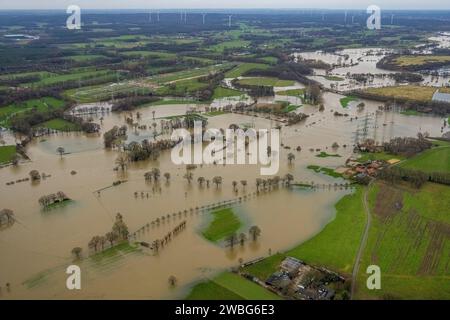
(186, 74)
(221, 92)
(434, 160)
(75, 76)
(291, 92)
(409, 239)
(60, 125)
(413, 92)
(230, 286)
(43, 104)
(105, 91)
(243, 68)
(266, 81)
(420, 59)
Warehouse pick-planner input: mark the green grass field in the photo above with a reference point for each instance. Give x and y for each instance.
(324, 154)
(432, 160)
(74, 76)
(267, 81)
(43, 104)
(224, 223)
(41, 74)
(345, 101)
(337, 244)
(243, 68)
(60, 124)
(181, 87)
(410, 242)
(147, 54)
(328, 171)
(7, 153)
(230, 45)
(230, 286)
(186, 74)
(85, 57)
(104, 91)
(221, 92)
(291, 92)
(334, 78)
(290, 108)
(265, 268)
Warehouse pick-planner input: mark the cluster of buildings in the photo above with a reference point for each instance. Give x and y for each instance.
(360, 170)
(299, 281)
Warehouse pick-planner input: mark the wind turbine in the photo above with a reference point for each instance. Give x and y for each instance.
(229, 20)
(204, 15)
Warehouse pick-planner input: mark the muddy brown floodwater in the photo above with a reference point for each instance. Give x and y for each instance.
(36, 250)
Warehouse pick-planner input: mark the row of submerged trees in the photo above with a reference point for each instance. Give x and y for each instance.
(48, 200)
(118, 233)
(234, 239)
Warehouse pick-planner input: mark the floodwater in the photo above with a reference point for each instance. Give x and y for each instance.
(36, 250)
(362, 61)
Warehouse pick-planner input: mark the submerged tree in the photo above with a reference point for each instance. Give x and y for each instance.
(61, 151)
(188, 176)
(201, 181)
(232, 240)
(242, 238)
(120, 228)
(167, 176)
(172, 281)
(35, 175)
(76, 252)
(291, 157)
(111, 237)
(6, 216)
(217, 180)
(122, 161)
(255, 232)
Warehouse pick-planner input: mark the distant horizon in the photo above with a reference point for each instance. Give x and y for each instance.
(223, 9)
(430, 5)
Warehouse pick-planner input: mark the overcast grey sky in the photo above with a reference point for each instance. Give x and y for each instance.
(216, 4)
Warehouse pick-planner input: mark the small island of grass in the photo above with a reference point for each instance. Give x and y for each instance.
(328, 171)
(224, 223)
(7, 154)
(346, 101)
(323, 154)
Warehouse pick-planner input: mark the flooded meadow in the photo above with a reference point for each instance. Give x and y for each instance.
(37, 248)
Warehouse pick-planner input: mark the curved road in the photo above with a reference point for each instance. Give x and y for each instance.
(363, 239)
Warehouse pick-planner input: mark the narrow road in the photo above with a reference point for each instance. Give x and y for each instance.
(363, 242)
